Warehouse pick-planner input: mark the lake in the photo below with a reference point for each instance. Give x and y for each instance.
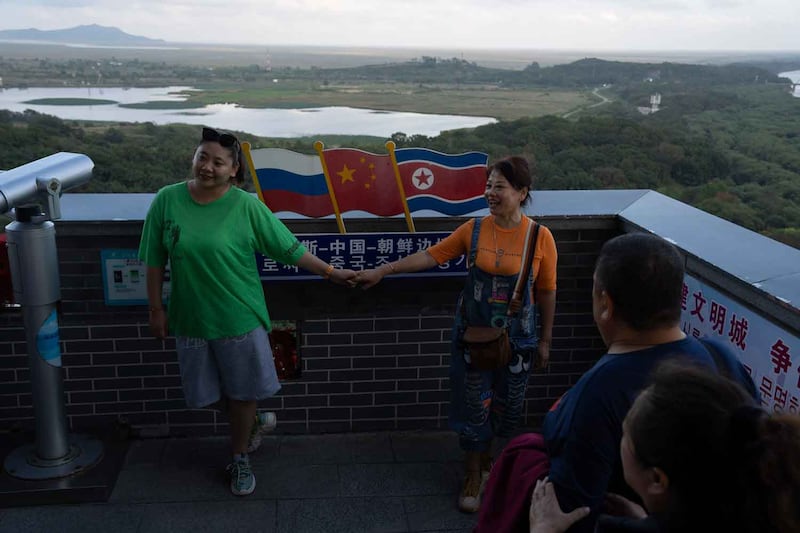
(260, 122)
(793, 75)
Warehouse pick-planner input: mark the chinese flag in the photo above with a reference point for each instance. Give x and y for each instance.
(363, 181)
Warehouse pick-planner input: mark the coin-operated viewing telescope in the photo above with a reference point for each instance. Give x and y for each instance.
(34, 192)
(42, 181)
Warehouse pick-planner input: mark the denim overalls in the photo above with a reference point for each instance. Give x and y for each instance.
(488, 403)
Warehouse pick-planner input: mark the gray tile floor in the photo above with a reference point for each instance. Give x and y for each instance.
(371, 482)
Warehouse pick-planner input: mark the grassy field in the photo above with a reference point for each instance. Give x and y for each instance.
(504, 104)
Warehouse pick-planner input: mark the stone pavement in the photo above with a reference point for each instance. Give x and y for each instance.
(370, 482)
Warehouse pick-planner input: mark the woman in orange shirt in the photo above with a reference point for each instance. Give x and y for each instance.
(489, 403)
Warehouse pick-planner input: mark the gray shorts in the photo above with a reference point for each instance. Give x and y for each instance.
(238, 368)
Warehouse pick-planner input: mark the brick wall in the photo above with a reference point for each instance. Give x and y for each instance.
(371, 360)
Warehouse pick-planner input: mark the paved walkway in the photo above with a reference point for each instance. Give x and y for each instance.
(373, 482)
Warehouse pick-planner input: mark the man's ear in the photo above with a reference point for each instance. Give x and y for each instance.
(657, 482)
(606, 306)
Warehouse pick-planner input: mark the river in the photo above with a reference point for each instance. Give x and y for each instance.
(260, 122)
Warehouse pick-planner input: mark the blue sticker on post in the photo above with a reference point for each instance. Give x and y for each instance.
(47, 341)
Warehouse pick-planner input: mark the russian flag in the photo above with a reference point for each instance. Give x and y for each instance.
(290, 181)
(449, 184)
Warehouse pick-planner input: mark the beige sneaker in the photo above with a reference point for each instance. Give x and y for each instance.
(469, 501)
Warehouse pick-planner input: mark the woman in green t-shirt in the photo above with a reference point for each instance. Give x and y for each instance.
(209, 230)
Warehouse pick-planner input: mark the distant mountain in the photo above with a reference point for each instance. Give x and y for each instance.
(91, 34)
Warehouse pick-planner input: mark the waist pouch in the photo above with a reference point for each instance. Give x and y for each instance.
(489, 348)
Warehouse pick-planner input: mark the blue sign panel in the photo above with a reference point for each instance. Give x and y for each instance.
(125, 278)
(362, 251)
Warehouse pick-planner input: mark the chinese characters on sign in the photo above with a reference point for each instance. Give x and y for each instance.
(770, 353)
(361, 251)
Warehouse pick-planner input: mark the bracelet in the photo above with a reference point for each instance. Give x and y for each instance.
(327, 273)
(391, 267)
(546, 341)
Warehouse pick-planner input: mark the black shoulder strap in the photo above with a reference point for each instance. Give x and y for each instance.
(535, 241)
(473, 248)
(527, 258)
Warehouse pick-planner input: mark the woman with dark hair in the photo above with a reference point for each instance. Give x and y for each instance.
(702, 457)
(209, 230)
(488, 402)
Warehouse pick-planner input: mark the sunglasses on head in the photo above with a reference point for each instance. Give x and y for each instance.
(224, 139)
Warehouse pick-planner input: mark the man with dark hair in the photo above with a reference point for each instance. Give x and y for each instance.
(643, 275)
(636, 303)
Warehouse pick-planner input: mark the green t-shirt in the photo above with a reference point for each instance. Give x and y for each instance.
(216, 290)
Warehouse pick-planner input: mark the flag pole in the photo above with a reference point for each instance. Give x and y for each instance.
(390, 146)
(319, 147)
(252, 168)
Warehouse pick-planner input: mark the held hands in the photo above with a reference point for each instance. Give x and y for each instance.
(370, 277)
(352, 279)
(545, 514)
(343, 276)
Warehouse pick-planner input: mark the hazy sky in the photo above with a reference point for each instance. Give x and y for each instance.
(543, 24)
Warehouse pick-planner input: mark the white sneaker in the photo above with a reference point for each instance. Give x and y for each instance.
(264, 423)
(243, 482)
